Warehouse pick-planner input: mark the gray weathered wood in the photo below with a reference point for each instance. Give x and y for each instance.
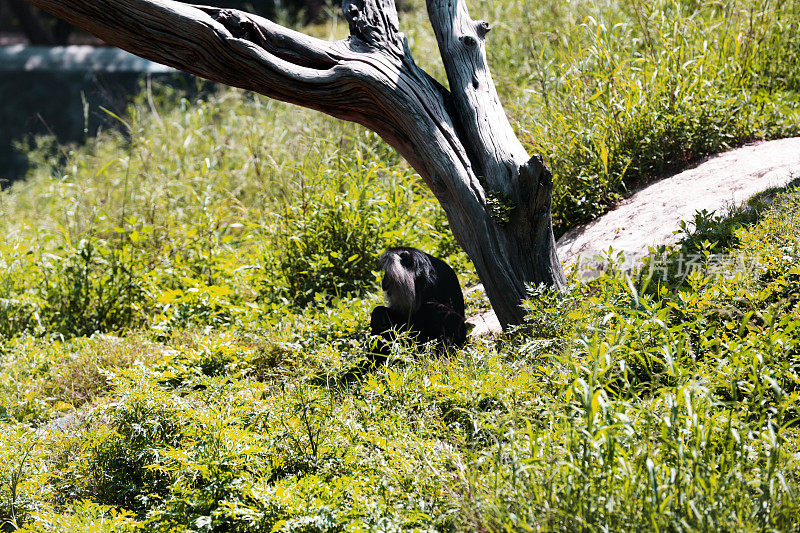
(460, 141)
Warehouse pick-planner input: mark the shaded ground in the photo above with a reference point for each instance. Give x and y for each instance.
(651, 215)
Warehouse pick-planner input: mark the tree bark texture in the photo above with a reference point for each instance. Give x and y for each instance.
(496, 197)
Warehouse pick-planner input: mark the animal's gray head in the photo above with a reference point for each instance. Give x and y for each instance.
(399, 281)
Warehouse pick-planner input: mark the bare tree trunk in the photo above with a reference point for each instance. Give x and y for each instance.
(497, 198)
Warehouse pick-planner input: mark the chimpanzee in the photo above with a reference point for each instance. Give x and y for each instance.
(422, 296)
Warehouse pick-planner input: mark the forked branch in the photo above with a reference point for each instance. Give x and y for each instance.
(374, 23)
(289, 45)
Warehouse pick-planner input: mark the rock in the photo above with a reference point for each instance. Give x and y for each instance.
(651, 215)
(484, 323)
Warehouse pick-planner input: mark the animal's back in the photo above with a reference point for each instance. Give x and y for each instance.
(449, 289)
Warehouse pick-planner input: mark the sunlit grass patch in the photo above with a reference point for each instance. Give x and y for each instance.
(183, 305)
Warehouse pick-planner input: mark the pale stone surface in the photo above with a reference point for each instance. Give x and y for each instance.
(484, 323)
(650, 216)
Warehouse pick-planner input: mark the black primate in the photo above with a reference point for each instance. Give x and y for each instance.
(422, 296)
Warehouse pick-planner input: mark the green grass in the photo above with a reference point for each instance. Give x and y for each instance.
(182, 305)
(618, 93)
(629, 404)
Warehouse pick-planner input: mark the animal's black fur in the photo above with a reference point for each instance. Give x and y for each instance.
(423, 297)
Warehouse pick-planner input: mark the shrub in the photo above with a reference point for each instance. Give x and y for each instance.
(91, 288)
(121, 461)
(22, 479)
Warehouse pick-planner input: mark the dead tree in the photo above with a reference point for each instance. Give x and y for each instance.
(496, 197)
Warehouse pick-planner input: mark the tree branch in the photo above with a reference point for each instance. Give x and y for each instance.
(375, 24)
(366, 78)
(219, 45)
(295, 47)
(460, 142)
(495, 150)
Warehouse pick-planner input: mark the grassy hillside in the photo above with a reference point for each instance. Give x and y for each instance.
(182, 304)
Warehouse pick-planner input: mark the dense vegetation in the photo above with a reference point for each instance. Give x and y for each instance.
(183, 303)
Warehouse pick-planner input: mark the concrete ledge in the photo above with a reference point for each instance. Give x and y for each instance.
(21, 58)
(60, 90)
